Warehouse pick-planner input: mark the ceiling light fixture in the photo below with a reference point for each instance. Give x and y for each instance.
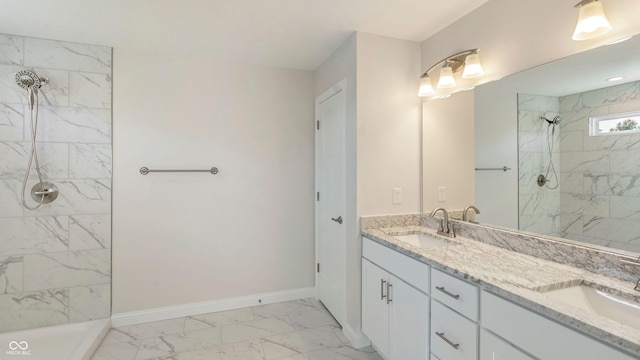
(617, 78)
(592, 21)
(467, 60)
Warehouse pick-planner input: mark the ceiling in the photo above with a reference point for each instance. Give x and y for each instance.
(297, 34)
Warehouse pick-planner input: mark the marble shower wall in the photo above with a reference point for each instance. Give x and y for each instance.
(539, 207)
(55, 265)
(600, 187)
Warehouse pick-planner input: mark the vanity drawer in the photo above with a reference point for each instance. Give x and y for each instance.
(455, 293)
(453, 337)
(494, 348)
(409, 270)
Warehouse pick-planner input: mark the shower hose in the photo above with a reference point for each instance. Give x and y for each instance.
(33, 156)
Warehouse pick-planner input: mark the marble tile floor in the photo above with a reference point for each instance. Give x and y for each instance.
(293, 330)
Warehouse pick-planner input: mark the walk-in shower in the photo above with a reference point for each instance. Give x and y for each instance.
(55, 262)
(43, 192)
(543, 179)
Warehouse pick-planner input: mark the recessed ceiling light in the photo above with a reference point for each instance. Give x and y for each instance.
(617, 78)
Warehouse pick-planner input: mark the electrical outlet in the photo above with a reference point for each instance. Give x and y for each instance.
(397, 196)
(442, 193)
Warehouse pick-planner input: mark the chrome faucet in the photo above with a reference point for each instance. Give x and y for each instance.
(444, 228)
(464, 213)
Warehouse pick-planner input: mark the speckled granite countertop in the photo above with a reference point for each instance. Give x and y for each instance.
(520, 278)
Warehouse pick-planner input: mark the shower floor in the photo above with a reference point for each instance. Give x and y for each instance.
(293, 330)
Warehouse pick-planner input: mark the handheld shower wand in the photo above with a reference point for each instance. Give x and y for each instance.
(43, 192)
(543, 180)
(31, 82)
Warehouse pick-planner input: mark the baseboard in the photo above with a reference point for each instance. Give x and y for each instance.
(171, 312)
(357, 338)
(92, 340)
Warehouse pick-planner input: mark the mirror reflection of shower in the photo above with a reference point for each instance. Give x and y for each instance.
(543, 179)
(43, 192)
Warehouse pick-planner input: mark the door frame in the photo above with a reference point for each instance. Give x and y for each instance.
(340, 86)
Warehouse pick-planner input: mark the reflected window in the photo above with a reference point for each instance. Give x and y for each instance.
(615, 124)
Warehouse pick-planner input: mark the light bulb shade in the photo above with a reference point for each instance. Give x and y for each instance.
(591, 22)
(446, 78)
(426, 88)
(472, 67)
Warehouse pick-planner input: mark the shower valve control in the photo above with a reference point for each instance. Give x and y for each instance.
(44, 192)
(541, 180)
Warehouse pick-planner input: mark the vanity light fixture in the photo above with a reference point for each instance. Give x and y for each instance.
(446, 78)
(592, 21)
(426, 88)
(467, 60)
(472, 67)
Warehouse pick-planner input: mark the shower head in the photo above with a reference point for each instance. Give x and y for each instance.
(29, 80)
(555, 121)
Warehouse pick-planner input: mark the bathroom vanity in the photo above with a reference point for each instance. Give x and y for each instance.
(426, 296)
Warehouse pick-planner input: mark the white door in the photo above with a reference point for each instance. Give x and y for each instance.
(330, 200)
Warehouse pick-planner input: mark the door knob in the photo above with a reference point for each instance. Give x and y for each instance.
(338, 220)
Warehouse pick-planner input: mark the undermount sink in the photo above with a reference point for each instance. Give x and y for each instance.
(617, 308)
(423, 240)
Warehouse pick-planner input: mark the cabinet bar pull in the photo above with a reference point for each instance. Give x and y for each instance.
(389, 293)
(441, 288)
(382, 282)
(441, 336)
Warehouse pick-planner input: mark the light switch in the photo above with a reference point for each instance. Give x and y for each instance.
(442, 193)
(397, 196)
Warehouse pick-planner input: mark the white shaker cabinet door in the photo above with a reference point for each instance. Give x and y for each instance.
(375, 310)
(408, 321)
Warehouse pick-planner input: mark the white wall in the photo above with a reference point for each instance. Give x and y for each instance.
(513, 36)
(184, 238)
(448, 140)
(388, 124)
(496, 145)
